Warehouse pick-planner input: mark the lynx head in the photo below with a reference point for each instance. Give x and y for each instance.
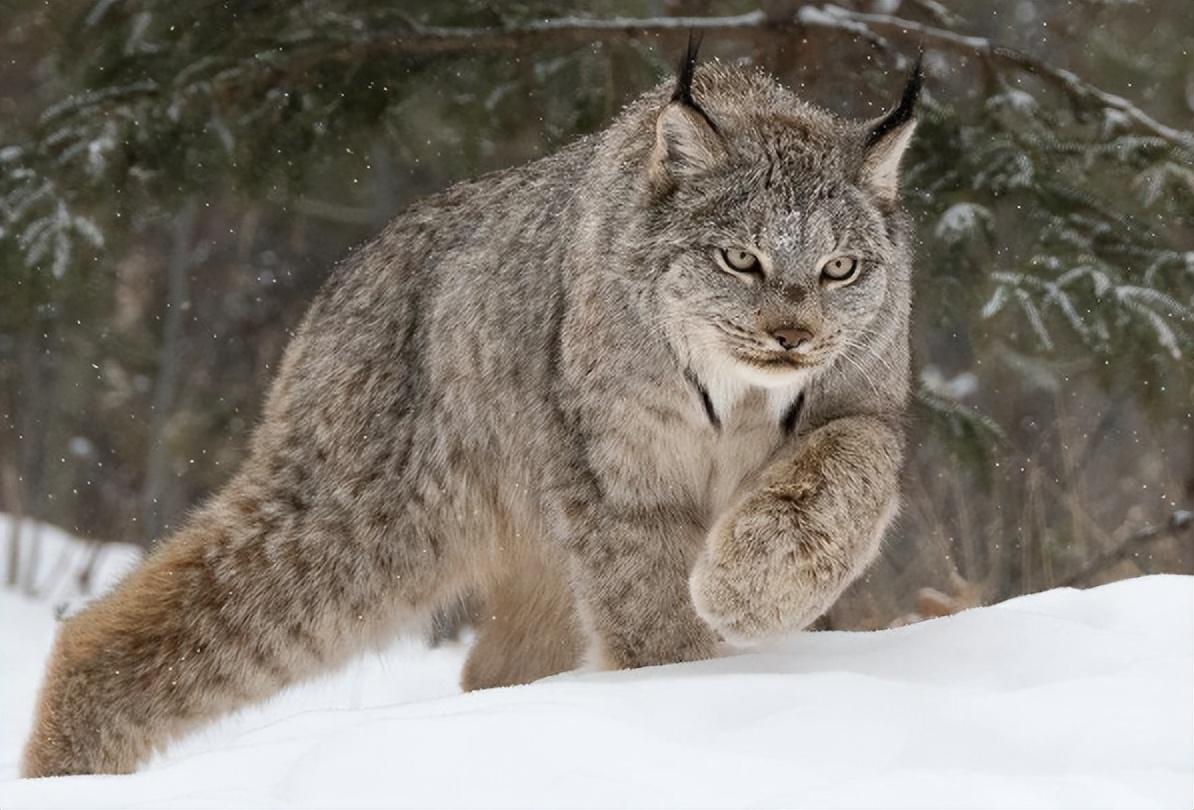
(775, 225)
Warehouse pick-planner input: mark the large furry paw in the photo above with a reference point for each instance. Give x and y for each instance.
(771, 567)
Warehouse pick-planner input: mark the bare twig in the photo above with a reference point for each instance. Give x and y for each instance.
(938, 11)
(333, 212)
(1179, 522)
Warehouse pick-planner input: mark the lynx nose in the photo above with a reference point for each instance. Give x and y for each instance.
(793, 338)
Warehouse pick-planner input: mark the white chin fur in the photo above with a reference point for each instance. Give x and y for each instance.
(726, 379)
(769, 378)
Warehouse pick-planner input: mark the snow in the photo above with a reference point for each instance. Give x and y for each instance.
(50, 559)
(1060, 699)
(962, 221)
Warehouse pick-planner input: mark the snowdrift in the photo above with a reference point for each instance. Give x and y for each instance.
(1060, 699)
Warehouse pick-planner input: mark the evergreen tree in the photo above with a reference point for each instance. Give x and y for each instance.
(1052, 181)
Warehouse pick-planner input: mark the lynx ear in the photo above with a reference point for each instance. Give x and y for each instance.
(687, 141)
(887, 139)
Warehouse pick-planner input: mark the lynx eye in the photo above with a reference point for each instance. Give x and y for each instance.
(739, 260)
(840, 269)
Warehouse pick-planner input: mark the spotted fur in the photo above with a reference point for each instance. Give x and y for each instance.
(541, 391)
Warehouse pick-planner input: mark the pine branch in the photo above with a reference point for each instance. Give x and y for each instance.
(983, 48)
(418, 39)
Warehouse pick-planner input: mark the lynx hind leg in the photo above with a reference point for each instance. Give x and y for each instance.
(243, 602)
(526, 629)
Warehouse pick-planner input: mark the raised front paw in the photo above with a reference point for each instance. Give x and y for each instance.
(775, 564)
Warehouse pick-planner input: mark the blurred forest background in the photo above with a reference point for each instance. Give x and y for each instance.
(177, 179)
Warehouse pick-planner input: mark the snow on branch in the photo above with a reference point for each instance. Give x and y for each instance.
(416, 38)
(1065, 80)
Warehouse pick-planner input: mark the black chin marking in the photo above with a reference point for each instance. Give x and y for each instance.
(706, 402)
(787, 422)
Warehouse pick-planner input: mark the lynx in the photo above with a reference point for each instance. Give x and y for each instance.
(634, 399)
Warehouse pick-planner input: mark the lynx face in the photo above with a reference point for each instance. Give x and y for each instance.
(775, 231)
(817, 279)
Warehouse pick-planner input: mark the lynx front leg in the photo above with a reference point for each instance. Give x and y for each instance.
(631, 569)
(784, 554)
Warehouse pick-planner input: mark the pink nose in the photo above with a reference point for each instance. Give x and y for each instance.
(792, 337)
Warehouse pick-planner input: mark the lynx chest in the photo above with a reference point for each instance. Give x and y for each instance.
(708, 461)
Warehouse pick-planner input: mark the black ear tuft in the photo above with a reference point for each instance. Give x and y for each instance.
(684, 76)
(903, 111)
(683, 92)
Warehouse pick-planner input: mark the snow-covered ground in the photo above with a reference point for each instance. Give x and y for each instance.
(50, 560)
(1061, 699)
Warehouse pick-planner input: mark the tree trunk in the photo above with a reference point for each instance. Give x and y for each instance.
(165, 387)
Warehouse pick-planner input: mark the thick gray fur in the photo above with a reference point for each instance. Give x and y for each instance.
(545, 391)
